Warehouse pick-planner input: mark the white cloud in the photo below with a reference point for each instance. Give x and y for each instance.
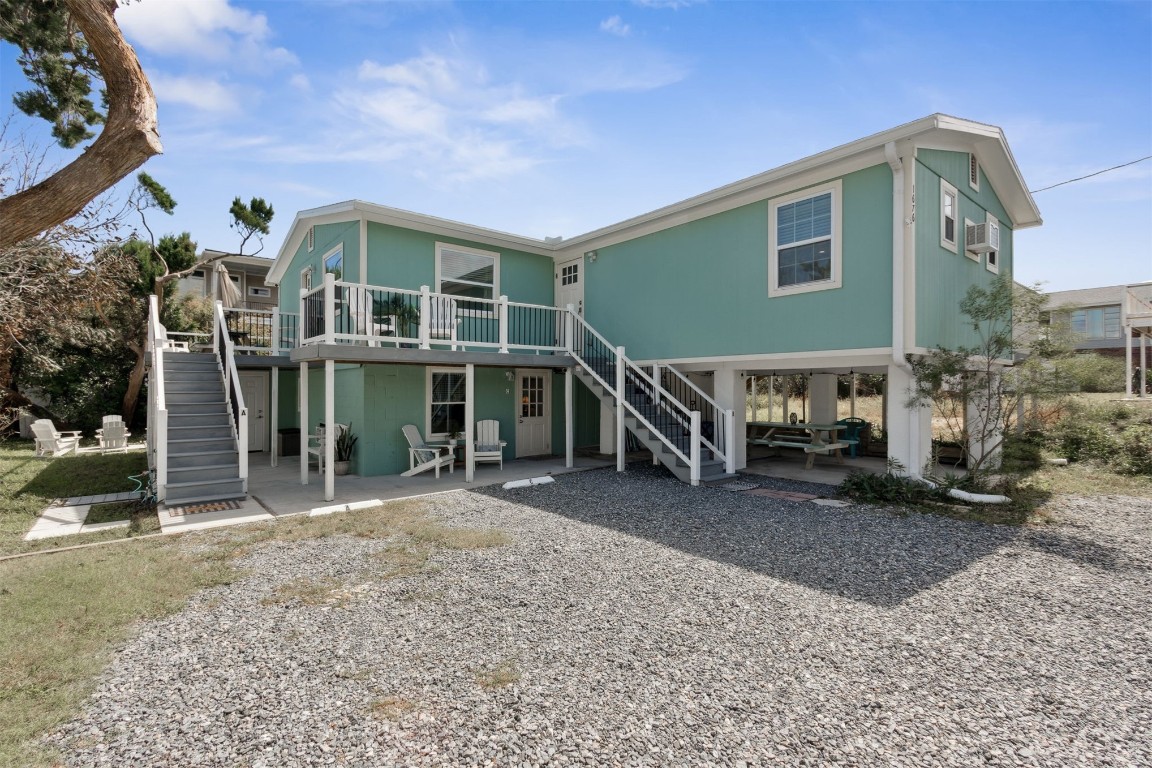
(300, 82)
(673, 4)
(203, 29)
(199, 92)
(614, 25)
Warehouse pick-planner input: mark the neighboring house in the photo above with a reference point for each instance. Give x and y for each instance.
(247, 274)
(846, 261)
(1113, 321)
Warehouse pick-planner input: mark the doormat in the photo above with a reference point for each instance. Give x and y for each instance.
(214, 506)
(737, 486)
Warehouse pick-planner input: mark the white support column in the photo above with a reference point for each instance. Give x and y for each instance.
(784, 382)
(852, 407)
(1143, 363)
(274, 417)
(329, 430)
(621, 379)
(469, 422)
(728, 391)
(569, 419)
(302, 392)
(1128, 361)
(822, 398)
(274, 342)
(909, 429)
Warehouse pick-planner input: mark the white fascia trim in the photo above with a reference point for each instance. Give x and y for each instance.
(880, 356)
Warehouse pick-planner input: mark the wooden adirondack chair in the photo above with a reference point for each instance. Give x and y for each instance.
(422, 457)
(489, 446)
(318, 442)
(51, 441)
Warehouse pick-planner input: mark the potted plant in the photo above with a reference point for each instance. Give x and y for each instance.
(454, 433)
(345, 442)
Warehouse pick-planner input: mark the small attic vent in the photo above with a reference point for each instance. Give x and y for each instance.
(982, 238)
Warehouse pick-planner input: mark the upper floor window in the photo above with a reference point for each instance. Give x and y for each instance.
(334, 262)
(992, 258)
(468, 273)
(1096, 322)
(804, 248)
(949, 206)
(306, 279)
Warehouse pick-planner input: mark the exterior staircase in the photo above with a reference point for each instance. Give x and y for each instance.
(203, 462)
(663, 430)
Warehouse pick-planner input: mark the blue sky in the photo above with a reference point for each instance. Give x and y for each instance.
(548, 119)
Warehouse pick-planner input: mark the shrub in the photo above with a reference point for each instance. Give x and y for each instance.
(886, 489)
(1133, 454)
(1022, 453)
(1093, 373)
(1083, 440)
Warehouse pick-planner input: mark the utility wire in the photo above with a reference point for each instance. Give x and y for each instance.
(1081, 178)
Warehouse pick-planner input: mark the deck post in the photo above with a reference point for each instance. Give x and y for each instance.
(302, 391)
(694, 449)
(425, 308)
(569, 419)
(274, 416)
(621, 378)
(656, 385)
(504, 324)
(329, 429)
(329, 308)
(469, 422)
(569, 327)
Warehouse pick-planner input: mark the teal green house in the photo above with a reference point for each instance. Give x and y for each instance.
(846, 261)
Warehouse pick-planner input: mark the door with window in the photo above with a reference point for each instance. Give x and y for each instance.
(533, 412)
(254, 387)
(570, 284)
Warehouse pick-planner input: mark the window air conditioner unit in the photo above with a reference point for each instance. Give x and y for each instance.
(982, 238)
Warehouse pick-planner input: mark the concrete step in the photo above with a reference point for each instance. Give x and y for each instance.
(188, 432)
(199, 444)
(208, 490)
(202, 458)
(210, 472)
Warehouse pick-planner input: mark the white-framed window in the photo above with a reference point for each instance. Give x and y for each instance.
(306, 279)
(992, 259)
(468, 273)
(973, 171)
(949, 210)
(265, 293)
(334, 262)
(1096, 322)
(570, 275)
(446, 401)
(804, 241)
(311, 238)
(970, 254)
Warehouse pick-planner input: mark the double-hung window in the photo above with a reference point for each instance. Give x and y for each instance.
(468, 273)
(949, 206)
(334, 262)
(446, 400)
(804, 248)
(992, 258)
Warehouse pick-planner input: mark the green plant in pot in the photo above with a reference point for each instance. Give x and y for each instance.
(345, 443)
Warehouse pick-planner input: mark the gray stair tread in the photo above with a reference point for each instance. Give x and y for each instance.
(202, 483)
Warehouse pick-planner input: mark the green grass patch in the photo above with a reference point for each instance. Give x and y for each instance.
(29, 484)
(64, 614)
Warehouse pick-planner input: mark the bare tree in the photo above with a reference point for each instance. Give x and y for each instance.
(130, 135)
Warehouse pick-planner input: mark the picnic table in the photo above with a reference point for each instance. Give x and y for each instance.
(811, 438)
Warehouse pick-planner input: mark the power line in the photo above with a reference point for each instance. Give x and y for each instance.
(1081, 178)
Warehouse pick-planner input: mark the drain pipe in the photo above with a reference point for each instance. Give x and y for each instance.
(898, 349)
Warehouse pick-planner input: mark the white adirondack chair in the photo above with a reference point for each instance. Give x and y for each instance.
(113, 435)
(51, 441)
(489, 446)
(362, 307)
(442, 319)
(422, 457)
(317, 443)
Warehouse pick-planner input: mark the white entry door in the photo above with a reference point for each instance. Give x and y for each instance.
(533, 412)
(254, 386)
(570, 284)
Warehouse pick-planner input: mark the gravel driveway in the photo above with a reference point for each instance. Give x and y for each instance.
(634, 620)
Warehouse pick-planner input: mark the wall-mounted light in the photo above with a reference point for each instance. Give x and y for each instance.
(509, 375)
(592, 255)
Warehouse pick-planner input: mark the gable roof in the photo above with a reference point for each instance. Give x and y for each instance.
(936, 131)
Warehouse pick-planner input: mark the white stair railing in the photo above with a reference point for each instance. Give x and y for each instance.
(234, 397)
(156, 344)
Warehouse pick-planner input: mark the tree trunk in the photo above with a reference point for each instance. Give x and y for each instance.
(135, 384)
(129, 138)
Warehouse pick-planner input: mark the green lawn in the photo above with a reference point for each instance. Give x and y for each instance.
(29, 484)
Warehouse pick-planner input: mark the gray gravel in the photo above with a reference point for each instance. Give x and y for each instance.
(649, 623)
